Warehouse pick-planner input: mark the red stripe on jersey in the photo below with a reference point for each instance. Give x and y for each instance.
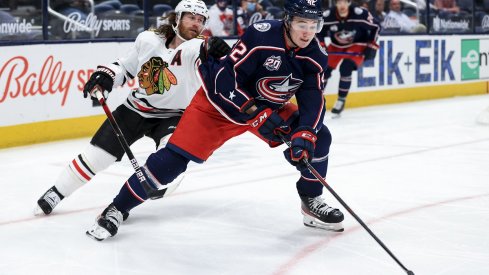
(141, 107)
(80, 171)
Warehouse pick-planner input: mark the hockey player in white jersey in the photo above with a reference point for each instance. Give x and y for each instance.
(165, 62)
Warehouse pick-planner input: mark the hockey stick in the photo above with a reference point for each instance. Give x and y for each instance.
(346, 53)
(151, 192)
(342, 202)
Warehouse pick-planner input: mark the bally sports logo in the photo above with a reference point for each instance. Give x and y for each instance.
(278, 89)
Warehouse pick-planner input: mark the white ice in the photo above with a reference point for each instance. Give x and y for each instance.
(416, 173)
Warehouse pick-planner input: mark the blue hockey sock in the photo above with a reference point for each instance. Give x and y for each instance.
(308, 185)
(130, 195)
(163, 166)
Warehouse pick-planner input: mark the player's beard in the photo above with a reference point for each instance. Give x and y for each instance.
(188, 33)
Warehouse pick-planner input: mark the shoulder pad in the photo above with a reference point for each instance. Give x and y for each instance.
(262, 26)
(358, 10)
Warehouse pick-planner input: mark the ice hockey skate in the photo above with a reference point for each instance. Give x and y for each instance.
(338, 107)
(106, 224)
(318, 214)
(48, 201)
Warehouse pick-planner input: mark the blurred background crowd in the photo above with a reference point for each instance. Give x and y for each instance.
(98, 19)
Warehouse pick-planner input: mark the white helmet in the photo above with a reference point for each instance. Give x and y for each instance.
(192, 6)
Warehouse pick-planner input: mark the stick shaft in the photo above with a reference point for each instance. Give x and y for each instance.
(343, 203)
(151, 192)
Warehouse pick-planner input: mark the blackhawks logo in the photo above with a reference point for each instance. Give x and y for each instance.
(155, 77)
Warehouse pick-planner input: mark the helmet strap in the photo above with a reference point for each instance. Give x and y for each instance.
(288, 21)
(175, 28)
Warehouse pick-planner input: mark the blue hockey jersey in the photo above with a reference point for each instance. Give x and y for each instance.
(262, 69)
(359, 27)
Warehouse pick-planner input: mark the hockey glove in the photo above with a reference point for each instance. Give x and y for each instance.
(371, 51)
(215, 47)
(302, 146)
(103, 79)
(268, 123)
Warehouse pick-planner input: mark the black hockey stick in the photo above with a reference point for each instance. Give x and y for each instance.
(151, 192)
(323, 181)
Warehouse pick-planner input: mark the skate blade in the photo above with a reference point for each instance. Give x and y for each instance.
(98, 233)
(314, 223)
(335, 116)
(38, 211)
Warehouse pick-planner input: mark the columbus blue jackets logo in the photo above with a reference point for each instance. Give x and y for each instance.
(345, 37)
(278, 89)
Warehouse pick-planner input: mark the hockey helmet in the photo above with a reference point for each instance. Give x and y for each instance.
(310, 9)
(358, 2)
(191, 6)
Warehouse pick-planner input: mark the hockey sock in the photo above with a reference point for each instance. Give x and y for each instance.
(131, 195)
(345, 83)
(161, 167)
(346, 68)
(82, 169)
(308, 185)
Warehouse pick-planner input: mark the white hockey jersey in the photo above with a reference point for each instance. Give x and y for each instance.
(167, 78)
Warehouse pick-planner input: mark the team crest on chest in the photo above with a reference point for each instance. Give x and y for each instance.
(278, 89)
(155, 77)
(273, 63)
(345, 36)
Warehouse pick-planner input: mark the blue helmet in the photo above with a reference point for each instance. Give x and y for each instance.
(310, 9)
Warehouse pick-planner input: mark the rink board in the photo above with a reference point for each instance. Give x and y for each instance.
(41, 85)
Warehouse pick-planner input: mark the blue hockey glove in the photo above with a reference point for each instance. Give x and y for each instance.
(302, 146)
(103, 78)
(268, 123)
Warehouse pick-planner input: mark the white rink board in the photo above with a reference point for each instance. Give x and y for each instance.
(44, 82)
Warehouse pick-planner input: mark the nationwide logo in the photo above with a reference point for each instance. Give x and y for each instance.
(470, 59)
(440, 24)
(475, 59)
(485, 23)
(16, 27)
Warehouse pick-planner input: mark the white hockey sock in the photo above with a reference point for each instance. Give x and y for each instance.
(82, 169)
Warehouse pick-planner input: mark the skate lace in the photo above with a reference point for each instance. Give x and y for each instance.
(319, 206)
(114, 216)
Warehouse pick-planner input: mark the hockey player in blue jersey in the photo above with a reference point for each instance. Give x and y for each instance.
(353, 32)
(250, 91)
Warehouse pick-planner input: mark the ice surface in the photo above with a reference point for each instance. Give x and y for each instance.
(416, 173)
